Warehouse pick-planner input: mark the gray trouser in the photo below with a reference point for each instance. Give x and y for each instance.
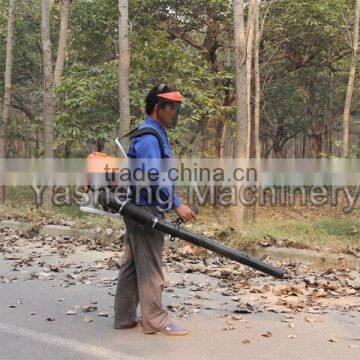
(141, 278)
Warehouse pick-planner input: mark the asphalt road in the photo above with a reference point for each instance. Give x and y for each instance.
(25, 332)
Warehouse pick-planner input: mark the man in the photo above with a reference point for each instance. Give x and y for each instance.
(140, 276)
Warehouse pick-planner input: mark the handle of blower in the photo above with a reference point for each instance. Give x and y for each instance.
(178, 221)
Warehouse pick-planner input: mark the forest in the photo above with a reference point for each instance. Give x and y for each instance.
(299, 93)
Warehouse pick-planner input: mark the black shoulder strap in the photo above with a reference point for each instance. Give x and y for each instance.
(146, 130)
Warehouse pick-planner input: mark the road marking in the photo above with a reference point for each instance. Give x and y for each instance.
(67, 343)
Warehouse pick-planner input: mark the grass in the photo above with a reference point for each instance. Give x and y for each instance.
(328, 230)
(315, 234)
(20, 205)
(324, 228)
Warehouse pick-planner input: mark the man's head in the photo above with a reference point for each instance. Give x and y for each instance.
(163, 105)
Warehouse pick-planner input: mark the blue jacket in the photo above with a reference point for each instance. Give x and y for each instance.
(147, 147)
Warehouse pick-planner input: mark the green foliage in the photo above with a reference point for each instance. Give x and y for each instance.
(314, 32)
(93, 35)
(87, 99)
(312, 77)
(86, 106)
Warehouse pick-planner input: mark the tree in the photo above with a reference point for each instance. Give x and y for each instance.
(25, 127)
(257, 84)
(124, 64)
(350, 87)
(240, 136)
(192, 42)
(302, 42)
(205, 29)
(48, 106)
(238, 213)
(249, 52)
(8, 88)
(63, 35)
(87, 108)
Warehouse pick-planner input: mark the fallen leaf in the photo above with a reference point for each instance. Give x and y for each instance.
(208, 233)
(104, 314)
(320, 293)
(287, 319)
(88, 319)
(267, 334)
(46, 276)
(246, 341)
(88, 308)
(228, 327)
(11, 257)
(71, 312)
(244, 309)
(237, 317)
(112, 264)
(222, 315)
(50, 318)
(332, 286)
(188, 250)
(334, 339)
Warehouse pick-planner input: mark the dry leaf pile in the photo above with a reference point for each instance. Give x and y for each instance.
(229, 289)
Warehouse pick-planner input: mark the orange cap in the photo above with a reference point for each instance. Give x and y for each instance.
(172, 96)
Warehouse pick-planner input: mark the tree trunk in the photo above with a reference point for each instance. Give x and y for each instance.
(48, 105)
(249, 47)
(315, 145)
(48, 80)
(7, 94)
(316, 132)
(297, 147)
(238, 213)
(279, 152)
(329, 111)
(257, 84)
(256, 132)
(124, 64)
(355, 48)
(240, 136)
(211, 146)
(61, 53)
(328, 148)
(304, 138)
(222, 142)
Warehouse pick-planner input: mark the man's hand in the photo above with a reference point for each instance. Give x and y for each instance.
(185, 213)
